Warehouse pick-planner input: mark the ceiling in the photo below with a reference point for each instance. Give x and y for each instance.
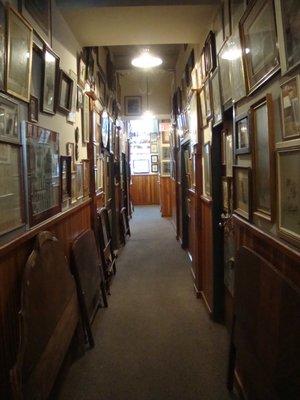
(123, 55)
(130, 3)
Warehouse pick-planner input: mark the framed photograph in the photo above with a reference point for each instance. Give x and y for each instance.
(210, 53)
(19, 56)
(288, 14)
(71, 116)
(9, 120)
(154, 168)
(86, 178)
(203, 108)
(33, 109)
(154, 159)
(79, 98)
(86, 119)
(226, 192)
(165, 168)
(140, 166)
(79, 181)
(65, 180)
(237, 76)
(242, 141)
(38, 14)
(165, 153)
(226, 87)
(228, 153)
(65, 92)
(43, 173)
(207, 170)
(216, 98)
(207, 99)
(288, 183)
(81, 70)
(70, 149)
(50, 81)
(133, 105)
(242, 191)
(290, 108)
(2, 45)
(263, 158)
(12, 213)
(165, 137)
(153, 148)
(258, 35)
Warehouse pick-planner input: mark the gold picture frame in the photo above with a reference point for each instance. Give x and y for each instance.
(290, 108)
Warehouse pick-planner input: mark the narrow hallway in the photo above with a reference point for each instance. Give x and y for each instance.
(155, 341)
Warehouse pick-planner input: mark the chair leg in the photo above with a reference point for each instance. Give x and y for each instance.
(103, 291)
(231, 361)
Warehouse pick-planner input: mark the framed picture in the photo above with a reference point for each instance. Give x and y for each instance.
(237, 76)
(154, 168)
(12, 213)
(133, 105)
(65, 180)
(219, 30)
(226, 87)
(141, 166)
(288, 14)
(207, 170)
(154, 159)
(258, 35)
(165, 137)
(242, 142)
(263, 158)
(216, 98)
(242, 191)
(226, 193)
(70, 148)
(153, 148)
(43, 173)
(19, 56)
(9, 120)
(288, 183)
(207, 99)
(33, 109)
(210, 53)
(203, 108)
(73, 187)
(86, 178)
(2, 45)
(71, 116)
(153, 136)
(50, 81)
(79, 98)
(165, 153)
(105, 129)
(102, 86)
(79, 181)
(165, 168)
(290, 108)
(81, 70)
(96, 127)
(65, 92)
(86, 119)
(38, 14)
(228, 153)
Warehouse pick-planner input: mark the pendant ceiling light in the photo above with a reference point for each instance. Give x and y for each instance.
(146, 60)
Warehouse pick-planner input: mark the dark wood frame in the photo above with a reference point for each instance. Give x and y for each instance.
(68, 160)
(73, 157)
(210, 53)
(126, 109)
(297, 132)
(156, 158)
(252, 81)
(64, 76)
(242, 213)
(36, 109)
(244, 150)
(216, 75)
(56, 83)
(152, 168)
(267, 100)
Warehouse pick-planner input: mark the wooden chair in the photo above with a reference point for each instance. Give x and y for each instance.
(47, 321)
(87, 270)
(125, 224)
(108, 256)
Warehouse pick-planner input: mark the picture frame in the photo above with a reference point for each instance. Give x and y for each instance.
(73, 188)
(288, 194)
(204, 120)
(242, 191)
(228, 153)
(263, 158)
(33, 109)
(223, 146)
(226, 19)
(39, 15)
(207, 93)
(96, 127)
(79, 98)
(219, 29)
(261, 60)
(133, 105)
(79, 181)
(65, 92)
(165, 137)
(216, 98)
(65, 180)
(86, 119)
(105, 129)
(290, 108)
(154, 168)
(86, 177)
(242, 139)
(225, 78)
(210, 53)
(140, 166)
(153, 148)
(9, 120)
(165, 168)
(154, 159)
(3, 38)
(18, 74)
(226, 193)
(206, 157)
(70, 150)
(50, 81)
(81, 70)
(165, 152)
(236, 68)
(153, 136)
(71, 116)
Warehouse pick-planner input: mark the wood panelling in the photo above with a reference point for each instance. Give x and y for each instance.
(144, 190)
(173, 204)
(165, 190)
(13, 256)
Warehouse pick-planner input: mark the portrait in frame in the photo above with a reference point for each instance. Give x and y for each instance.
(133, 105)
(50, 80)
(242, 140)
(81, 70)
(242, 191)
(154, 168)
(33, 109)
(216, 98)
(210, 53)
(9, 120)
(290, 108)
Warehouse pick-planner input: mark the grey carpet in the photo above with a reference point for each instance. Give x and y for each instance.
(155, 341)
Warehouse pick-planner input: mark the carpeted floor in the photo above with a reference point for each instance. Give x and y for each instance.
(155, 341)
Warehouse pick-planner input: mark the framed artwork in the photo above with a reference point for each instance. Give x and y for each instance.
(242, 141)
(2, 45)
(33, 109)
(153, 136)
(105, 129)
(228, 153)
(242, 191)
(165, 168)
(207, 170)
(50, 77)
(288, 14)
(65, 180)
(210, 53)
(12, 215)
(141, 166)
(86, 178)
(81, 70)
(207, 99)
(70, 149)
(79, 98)
(79, 181)
(226, 87)
(71, 116)
(226, 18)
(226, 192)
(38, 14)
(165, 137)
(133, 105)
(102, 86)
(154, 159)
(258, 35)
(263, 158)
(165, 153)
(237, 76)
(153, 148)
(96, 127)
(43, 173)
(288, 183)
(73, 187)
(86, 119)
(65, 92)
(154, 168)
(216, 98)
(203, 108)
(9, 120)
(223, 146)
(19, 56)
(290, 108)
(219, 30)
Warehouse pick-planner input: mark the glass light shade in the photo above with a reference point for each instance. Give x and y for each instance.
(146, 60)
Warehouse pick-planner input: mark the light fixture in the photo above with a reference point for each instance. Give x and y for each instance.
(148, 114)
(146, 60)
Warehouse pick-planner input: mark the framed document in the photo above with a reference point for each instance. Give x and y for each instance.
(51, 71)
(242, 191)
(9, 120)
(290, 108)
(242, 141)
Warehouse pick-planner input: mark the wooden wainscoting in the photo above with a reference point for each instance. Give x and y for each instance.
(144, 190)
(165, 196)
(13, 256)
